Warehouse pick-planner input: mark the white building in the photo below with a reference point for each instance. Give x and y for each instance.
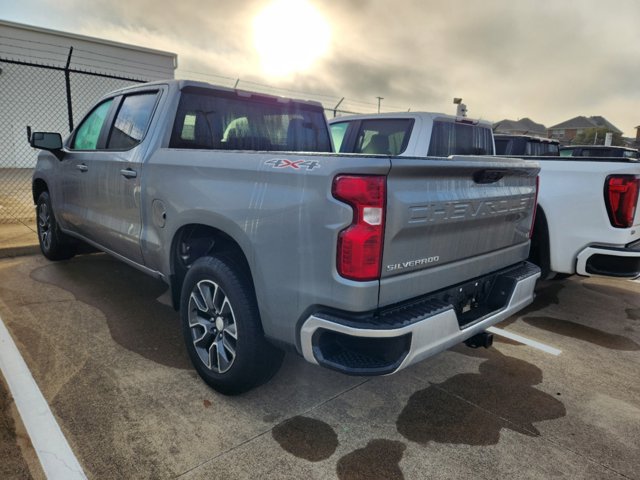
(33, 95)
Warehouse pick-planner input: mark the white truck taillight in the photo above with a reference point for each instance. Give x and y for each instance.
(360, 244)
(621, 199)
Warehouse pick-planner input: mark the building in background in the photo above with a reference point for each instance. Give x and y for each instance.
(48, 80)
(37, 96)
(568, 130)
(524, 126)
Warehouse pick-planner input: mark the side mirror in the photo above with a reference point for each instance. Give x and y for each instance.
(46, 141)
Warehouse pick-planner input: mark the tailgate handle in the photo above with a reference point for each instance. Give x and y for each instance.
(488, 175)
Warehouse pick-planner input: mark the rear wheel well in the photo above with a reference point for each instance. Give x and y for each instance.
(195, 241)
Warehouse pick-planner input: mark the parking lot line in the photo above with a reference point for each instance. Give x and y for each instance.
(55, 454)
(524, 340)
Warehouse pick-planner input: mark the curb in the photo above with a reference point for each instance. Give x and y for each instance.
(20, 251)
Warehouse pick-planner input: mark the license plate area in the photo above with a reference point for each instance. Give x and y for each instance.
(475, 300)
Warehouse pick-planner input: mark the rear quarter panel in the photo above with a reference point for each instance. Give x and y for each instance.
(284, 218)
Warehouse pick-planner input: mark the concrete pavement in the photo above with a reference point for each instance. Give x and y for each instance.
(107, 354)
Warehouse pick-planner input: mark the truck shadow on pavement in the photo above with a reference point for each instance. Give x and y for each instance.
(128, 300)
(582, 332)
(547, 294)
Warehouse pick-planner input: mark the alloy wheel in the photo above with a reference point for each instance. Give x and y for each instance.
(213, 326)
(44, 225)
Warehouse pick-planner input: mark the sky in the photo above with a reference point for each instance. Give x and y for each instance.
(549, 60)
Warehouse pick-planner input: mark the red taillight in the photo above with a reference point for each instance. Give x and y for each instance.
(360, 244)
(535, 207)
(621, 198)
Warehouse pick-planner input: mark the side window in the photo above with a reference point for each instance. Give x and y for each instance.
(383, 137)
(131, 121)
(87, 135)
(338, 131)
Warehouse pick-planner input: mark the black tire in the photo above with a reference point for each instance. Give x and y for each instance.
(561, 276)
(222, 328)
(539, 252)
(54, 244)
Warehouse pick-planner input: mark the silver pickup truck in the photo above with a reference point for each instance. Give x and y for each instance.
(364, 264)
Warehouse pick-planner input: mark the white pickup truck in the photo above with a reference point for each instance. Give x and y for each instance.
(587, 221)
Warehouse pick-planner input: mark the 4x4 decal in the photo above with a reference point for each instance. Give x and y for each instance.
(295, 164)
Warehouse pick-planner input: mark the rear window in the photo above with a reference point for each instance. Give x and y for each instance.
(503, 146)
(533, 148)
(525, 146)
(383, 137)
(454, 138)
(216, 120)
(553, 150)
(541, 149)
(598, 152)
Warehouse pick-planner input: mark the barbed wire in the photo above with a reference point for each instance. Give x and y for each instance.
(76, 49)
(119, 58)
(353, 105)
(123, 63)
(314, 95)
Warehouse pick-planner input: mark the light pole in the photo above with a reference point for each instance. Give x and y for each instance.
(379, 99)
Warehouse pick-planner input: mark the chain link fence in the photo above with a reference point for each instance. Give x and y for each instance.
(47, 98)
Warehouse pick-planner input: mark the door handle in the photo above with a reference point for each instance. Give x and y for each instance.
(82, 167)
(128, 173)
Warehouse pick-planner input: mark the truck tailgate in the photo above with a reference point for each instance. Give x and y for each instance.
(450, 220)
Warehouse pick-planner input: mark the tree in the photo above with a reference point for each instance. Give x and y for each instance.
(588, 136)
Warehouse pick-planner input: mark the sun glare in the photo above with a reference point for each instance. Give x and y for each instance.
(289, 36)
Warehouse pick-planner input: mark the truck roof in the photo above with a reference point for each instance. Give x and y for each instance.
(422, 115)
(182, 84)
(534, 138)
(600, 147)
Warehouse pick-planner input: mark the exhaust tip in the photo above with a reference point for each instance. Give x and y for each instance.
(482, 339)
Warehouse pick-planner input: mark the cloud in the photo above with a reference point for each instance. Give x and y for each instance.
(542, 59)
